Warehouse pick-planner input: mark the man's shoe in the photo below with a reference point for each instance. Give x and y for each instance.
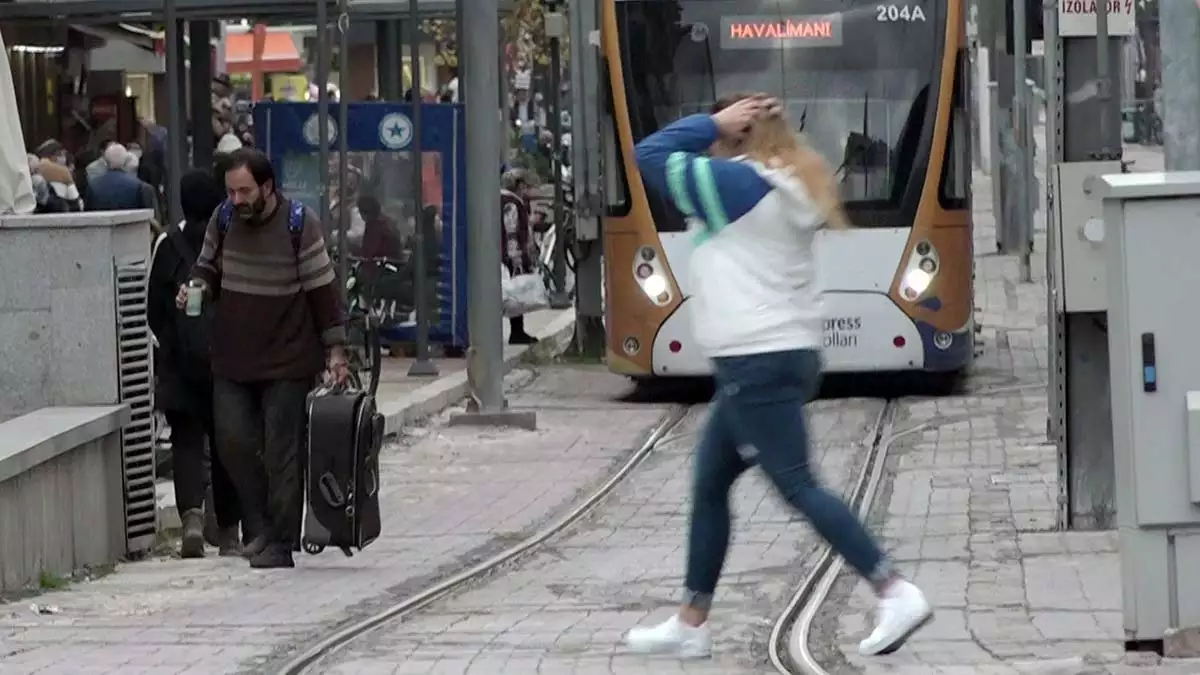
(229, 543)
(273, 556)
(193, 534)
(212, 531)
(256, 546)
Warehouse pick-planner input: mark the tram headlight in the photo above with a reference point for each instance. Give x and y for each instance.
(654, 285)
(917, 281)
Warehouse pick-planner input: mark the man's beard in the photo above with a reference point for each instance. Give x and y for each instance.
(252, 213)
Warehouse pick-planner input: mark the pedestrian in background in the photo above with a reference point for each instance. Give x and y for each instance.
(518, 254)
(184, 386)
(278, 322)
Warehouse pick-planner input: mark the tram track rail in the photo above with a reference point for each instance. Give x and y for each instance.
(788, 646)
(788, 649)
(307, 660)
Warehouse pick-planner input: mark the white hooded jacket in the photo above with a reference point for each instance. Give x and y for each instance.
(753, 272)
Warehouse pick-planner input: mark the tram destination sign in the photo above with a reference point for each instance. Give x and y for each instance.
(775, 32)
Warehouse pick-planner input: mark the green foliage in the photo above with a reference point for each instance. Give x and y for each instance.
(525, 27)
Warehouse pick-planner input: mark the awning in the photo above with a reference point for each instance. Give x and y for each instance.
(16, 191)
(279, 54)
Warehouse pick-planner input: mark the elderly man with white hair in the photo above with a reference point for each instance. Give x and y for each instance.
(119, 188)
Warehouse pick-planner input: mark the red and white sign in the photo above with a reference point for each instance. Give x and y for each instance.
(1077, 18)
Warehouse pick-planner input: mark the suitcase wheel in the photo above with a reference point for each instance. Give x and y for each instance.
(311, 547)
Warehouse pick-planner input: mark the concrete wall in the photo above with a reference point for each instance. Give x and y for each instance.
(61, 496)
(58, 342)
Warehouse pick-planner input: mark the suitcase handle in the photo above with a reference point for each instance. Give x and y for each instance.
(372, 483)
(331, 491)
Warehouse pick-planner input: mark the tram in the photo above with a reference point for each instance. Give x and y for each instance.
(881, 90)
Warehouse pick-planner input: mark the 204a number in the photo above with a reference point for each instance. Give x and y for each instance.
(889, 13)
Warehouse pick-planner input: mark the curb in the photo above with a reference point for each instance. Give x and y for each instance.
(446, 391)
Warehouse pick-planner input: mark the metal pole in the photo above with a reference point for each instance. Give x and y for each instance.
(343, 24)
(176, 131)
(1179, 24)
(485, 365)
(502, 96)
(1088, 130)
(323, 106)
(1103, 77)
(422, 366)
(996, 141)
(1023, 217)
(558, 298)
(395, 63)
(200, 82)
(586, 87)
(459, 38)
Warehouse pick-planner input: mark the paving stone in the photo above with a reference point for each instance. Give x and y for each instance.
(449, 496)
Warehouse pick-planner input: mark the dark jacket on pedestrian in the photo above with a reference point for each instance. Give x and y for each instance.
(180, 382)
(516, 243)
(118, 190)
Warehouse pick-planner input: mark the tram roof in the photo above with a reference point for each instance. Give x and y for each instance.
(109, 11)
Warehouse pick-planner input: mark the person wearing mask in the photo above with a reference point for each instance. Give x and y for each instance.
(184, 387)
(119, 188)
(755, 197)
(278, 322)
(519, 255)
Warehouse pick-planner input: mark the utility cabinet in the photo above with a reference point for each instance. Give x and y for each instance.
(1151, 238)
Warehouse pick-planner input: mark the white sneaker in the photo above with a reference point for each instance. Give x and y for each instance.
(671, 636)
(902, 611)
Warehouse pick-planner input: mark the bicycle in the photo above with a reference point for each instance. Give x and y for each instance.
(364, 349)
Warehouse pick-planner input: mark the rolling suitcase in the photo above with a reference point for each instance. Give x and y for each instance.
(341, 504)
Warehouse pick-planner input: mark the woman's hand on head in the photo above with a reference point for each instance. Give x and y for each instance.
(735, 121)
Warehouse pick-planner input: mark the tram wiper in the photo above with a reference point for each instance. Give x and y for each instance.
(803, 118)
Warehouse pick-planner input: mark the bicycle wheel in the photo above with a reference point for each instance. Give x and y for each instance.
(366, 354)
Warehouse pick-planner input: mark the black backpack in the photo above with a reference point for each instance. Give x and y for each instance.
(191, 350)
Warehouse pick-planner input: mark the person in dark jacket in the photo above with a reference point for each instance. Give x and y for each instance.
(119, 188)
(184, 388)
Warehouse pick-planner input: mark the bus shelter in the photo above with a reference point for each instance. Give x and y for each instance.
(379, 140)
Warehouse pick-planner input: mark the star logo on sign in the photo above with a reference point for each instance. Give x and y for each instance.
(395, 131)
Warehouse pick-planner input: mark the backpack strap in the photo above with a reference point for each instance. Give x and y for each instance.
(296, 224)
(182, 247)
(225, 216)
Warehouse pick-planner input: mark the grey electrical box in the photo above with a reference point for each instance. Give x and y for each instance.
(1152, 239)
(1078, 262)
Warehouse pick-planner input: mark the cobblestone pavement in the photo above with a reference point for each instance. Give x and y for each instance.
(563, 611)
(969, 515)
(450, 495)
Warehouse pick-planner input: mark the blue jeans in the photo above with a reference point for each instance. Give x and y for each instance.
(760, 405)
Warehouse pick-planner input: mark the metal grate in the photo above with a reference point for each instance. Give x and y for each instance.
(135, 356)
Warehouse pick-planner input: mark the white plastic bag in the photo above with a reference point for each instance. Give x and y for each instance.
(546, 259)
(523, 293)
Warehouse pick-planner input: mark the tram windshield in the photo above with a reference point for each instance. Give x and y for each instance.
(857, 78)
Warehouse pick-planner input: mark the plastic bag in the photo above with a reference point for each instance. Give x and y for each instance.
(546, 260)
(523, 293)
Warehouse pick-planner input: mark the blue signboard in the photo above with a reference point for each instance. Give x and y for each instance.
(382, 208)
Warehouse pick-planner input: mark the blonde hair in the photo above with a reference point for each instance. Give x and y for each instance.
(772, 143)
